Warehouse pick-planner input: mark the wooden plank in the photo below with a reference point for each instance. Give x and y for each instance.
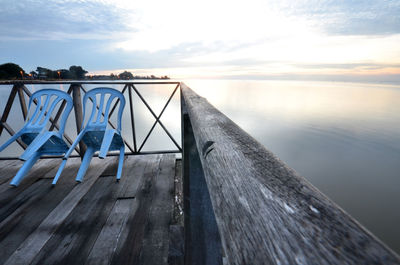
(19, 201)
(75, 237)
(266, 213)
(112, 233)
(130, 242)
(27, 251)
(8, 169)
(79, 236)
(156, 239)
(178, 195)
(41, 168)
(43, 198)
(176, 250)
(104, 248)
(134, 175)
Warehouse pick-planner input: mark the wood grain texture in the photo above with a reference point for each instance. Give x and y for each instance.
(266, 212)
(107, 241)
(72, 241)
(8, 169)
(40, 169)
(42, 198)
(113, 232)
(156, 238)
(27, 251)
(130, 244)
(144, 239)
(99, 221)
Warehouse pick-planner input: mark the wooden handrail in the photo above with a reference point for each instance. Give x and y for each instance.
(265, 212)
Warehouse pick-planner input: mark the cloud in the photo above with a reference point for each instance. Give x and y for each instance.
(55, 20)
(254, 38)
(367, 66)
(359, 17)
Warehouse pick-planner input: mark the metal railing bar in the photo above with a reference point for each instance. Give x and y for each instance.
(132, 118)
(170, 136)
(147, 136)
(152, 112)
(12, 132)
(97, 155)
(116, 103)
(169, 100)
(7, 108)
(158, 118)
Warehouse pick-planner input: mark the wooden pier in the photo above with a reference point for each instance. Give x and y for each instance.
(241, 204)
(98, 221)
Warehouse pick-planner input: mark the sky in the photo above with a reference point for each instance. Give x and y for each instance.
(343, 40)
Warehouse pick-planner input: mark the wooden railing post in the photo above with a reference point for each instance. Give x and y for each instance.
(202, 241)
(77, 100)
(22, 102)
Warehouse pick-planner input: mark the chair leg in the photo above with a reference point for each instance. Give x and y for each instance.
(85, 163)
(77, 140)
(105, 145)
(120, 162)
(24, 169)
(59, 171)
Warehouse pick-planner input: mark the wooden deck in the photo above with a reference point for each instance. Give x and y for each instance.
(98, 221)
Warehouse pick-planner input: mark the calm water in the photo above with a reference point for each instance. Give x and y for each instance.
(343, 137)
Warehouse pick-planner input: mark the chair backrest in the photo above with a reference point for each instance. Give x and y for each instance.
(43, 111)
(95, 120)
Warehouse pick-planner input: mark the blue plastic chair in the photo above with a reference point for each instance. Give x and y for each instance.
(34, 133)
(95, 134)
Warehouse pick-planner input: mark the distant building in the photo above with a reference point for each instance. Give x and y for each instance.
(42, 73)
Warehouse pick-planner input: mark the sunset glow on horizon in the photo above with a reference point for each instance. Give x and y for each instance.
(258, 39)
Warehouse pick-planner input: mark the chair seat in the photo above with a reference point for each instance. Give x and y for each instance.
(54, 145)
(95, 139)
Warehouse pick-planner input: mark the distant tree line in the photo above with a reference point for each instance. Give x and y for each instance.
(124, 76)
(11, 71)
(74, 72)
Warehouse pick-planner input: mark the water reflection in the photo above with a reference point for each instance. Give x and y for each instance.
(344, 138)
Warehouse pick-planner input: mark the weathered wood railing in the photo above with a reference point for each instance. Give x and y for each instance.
(245, 206)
